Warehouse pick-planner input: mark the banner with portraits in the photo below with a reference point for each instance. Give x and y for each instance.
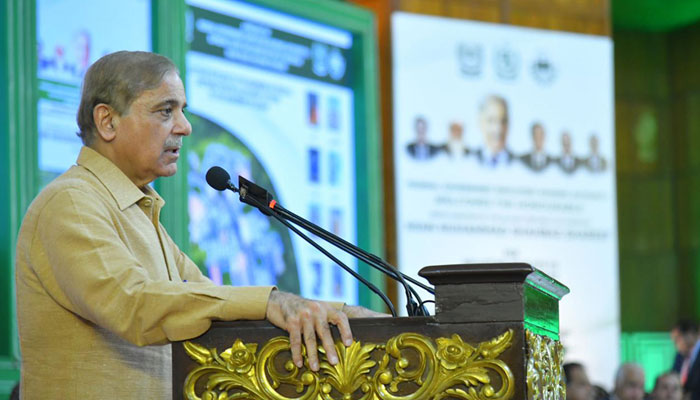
(504, 152)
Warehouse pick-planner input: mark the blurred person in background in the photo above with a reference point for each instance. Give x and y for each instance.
(599, 393)
(667, 387)
(578, 387)
(685, 338)
(629, 383)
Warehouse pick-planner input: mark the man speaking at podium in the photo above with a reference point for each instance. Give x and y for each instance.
(101, 287)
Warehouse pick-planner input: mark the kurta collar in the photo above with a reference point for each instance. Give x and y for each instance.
(122, 189)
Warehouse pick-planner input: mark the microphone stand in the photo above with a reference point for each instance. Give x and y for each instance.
(271, 212)
(254, 195)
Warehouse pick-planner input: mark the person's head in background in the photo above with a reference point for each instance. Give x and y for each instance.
(684, 335)
(667, 387)
(578, 387)
(599, 393)
(629, 382)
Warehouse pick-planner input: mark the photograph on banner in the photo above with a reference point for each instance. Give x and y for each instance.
(71, 35)
(271, 100)
(504, 152)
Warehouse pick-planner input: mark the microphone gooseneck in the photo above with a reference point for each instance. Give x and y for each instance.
(372, 287)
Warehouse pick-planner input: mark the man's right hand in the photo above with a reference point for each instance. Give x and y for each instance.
(307, 318)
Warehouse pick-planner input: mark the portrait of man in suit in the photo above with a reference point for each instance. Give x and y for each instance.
(595, 162)
(537, 160)
(420, 149)
(493, 122)
(567, 161)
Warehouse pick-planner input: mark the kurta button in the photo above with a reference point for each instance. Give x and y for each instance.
(148, 202)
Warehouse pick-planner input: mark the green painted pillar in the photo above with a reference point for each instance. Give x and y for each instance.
(18, 155)
(168, 27)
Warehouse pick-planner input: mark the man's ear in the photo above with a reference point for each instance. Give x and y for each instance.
(106, 120)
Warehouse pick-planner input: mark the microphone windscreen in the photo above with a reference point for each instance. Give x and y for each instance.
(218, 178)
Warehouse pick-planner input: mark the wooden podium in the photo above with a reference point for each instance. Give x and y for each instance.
(495, 335)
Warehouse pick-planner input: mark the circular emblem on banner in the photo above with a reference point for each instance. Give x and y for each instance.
(543, 70)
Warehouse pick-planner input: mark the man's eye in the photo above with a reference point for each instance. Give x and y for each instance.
(166, 112)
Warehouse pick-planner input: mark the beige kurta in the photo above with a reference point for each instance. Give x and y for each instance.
(102, 289)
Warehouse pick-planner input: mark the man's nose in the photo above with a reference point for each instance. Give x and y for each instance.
(183, 126)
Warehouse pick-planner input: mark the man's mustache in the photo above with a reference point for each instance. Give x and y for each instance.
(173, 141)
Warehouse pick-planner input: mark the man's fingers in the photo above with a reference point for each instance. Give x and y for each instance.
(310, 341)
(294, 329)
(341, 321)
(324, 332)
(306, 321)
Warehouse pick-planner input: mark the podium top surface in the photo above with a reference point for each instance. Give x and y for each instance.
(523, 273)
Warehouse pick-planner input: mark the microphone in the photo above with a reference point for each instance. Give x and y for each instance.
(219, 179)
(252, 194)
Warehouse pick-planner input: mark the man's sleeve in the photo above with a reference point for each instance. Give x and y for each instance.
(85, 266)
(191, 272)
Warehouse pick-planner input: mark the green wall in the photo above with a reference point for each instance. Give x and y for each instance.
(658, 176)
(652, 350)
(645, 180)
(685, 118)
(658, 160)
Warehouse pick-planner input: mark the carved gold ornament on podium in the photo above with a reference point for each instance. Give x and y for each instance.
(408, 367)
(544, 368)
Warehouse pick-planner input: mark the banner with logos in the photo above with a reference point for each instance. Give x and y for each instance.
(504, 152)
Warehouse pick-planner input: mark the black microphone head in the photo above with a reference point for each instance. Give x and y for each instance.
(218, 178)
